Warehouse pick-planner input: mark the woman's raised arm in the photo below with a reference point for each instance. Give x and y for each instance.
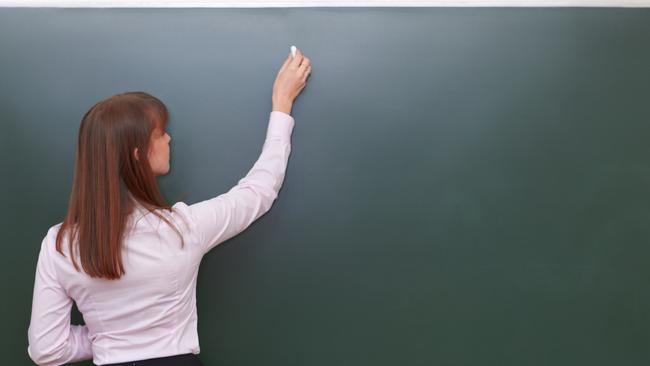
(220, 218)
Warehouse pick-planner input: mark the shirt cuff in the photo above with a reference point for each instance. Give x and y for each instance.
(280, 126)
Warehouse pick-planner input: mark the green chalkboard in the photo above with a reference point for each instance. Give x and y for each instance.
(466, 186)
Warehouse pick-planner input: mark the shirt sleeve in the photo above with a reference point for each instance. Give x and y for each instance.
(222, 217)
(52, 339)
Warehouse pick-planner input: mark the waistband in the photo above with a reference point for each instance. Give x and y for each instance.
(187, 359)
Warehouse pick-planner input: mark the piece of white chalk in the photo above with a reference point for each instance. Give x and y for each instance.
(293, 51)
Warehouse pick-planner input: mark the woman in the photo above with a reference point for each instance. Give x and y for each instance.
(128, 259)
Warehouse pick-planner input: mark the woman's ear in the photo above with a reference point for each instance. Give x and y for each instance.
(135, 154)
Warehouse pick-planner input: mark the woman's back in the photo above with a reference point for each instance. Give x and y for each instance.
(150, 312)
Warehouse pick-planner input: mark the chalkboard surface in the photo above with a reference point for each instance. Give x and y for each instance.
(466, 186)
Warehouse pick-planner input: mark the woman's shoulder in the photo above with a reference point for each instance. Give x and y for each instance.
(54, 230)
(52, 233)
(48, 245)
(180, 211)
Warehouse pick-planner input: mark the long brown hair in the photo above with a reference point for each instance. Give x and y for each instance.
(108, 178)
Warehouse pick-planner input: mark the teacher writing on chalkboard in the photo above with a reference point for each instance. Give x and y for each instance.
(127, 258)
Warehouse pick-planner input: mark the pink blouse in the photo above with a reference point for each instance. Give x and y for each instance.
(151, 311)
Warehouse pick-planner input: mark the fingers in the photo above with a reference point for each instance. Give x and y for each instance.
(305, 63)
(295, 63)
(299, 62)
(306, 74)
(305, 69)
(286, 63)
(305, 66)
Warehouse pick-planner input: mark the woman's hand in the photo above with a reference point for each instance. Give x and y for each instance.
(291, 80)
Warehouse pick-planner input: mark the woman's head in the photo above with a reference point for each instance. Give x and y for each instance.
(124, 125)
(122, 147)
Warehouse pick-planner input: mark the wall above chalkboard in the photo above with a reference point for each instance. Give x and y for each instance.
(322, 3)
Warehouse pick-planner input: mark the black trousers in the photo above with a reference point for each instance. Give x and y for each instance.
(188, 359)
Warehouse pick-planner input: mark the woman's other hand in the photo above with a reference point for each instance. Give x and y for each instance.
(290, 81)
